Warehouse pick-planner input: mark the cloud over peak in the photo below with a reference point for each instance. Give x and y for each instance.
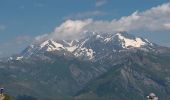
(71, 28)
(154, 19)
(68, 30)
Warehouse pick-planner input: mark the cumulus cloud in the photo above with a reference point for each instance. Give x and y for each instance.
(70, 26)
(154, 19)
(68, 30)
(100, 3)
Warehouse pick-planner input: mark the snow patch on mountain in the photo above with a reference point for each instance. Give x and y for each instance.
(137, 42)
(82, 43)
(108, 39)
(99, 36)
(19, 58)
(10, 58)
(71, 49)
(149, 42)
(71, 43)
(88, 53)
(51, 45)
(93, 46)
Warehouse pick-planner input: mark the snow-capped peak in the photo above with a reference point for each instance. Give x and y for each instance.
(51, 45)
(126, 42)
(90, 47)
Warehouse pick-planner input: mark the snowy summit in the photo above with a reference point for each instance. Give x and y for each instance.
(90, 47)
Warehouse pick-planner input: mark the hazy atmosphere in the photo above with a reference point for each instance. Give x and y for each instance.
(84, 50)
(23, 21)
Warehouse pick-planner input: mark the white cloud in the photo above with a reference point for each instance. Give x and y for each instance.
(70, 29)
(154, 19)
(100, 3)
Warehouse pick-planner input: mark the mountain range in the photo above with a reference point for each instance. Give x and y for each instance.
(99, 66)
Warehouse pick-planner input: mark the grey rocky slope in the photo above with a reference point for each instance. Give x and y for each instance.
(73, 68)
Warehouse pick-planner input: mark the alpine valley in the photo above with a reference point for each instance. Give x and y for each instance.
(100, 66)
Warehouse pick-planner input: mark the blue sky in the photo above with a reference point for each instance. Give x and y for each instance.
(23, 20)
